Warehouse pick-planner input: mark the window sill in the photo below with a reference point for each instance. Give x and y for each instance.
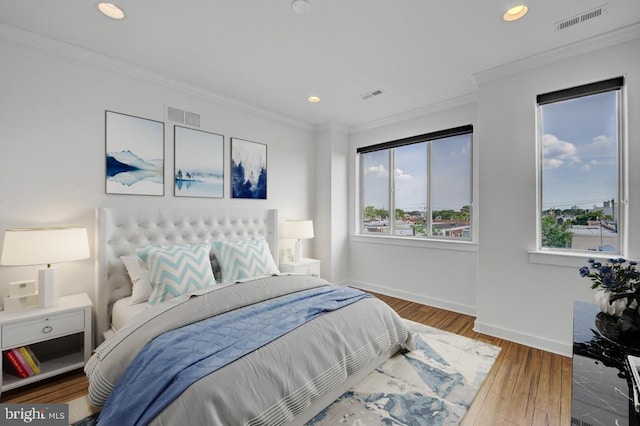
(573, 260)
(416, 242)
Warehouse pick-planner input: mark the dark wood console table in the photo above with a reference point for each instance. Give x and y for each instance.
(601, 383)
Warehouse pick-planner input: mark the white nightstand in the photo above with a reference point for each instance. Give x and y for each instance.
(305, 266)
(60, 337)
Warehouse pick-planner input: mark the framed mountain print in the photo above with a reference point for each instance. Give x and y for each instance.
(134, 155)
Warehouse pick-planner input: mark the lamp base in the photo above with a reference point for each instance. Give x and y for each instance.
(298, 252)
(48, 287)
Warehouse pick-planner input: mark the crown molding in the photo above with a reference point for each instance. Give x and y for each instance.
(622, 35)
(416, 113)
(331, 127)
(56, 47)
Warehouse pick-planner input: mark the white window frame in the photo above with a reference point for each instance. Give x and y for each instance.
(568, 256)
(466, 244)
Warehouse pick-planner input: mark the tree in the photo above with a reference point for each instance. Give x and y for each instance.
(584, 218)
(371, 213)
(555, 235)
(419, 230)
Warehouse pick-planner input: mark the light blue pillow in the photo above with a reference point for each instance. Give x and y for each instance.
(245, 259)
(177, 270)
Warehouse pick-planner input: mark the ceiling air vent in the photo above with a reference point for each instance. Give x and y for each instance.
(582, 17)
(371, 94)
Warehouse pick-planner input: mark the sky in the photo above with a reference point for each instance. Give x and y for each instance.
(580, 151)
(451, 174)
(579, 156)
(143, 137)
(198, 151)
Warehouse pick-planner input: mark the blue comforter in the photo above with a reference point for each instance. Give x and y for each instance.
(173, 361)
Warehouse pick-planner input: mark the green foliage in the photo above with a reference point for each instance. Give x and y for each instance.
(371, 213)
(464, 214)
(555, 235)
(584, 218)
(419, 230)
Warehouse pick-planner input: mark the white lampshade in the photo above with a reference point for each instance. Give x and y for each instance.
(298, 229)
(44, 246)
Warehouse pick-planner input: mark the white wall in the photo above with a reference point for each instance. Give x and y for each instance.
(331, 232)
(515, 295)
(518, 299)
(52, 158)
(443, 275)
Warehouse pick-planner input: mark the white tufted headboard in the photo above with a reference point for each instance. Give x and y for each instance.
(121, 230)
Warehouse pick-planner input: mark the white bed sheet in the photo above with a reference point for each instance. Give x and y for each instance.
(123, 311)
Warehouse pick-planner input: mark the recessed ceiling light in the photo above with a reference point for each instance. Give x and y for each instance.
(111, 10)
(301, 7)
(313, 99)
(515, 13)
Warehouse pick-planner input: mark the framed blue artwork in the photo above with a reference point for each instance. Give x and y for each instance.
(134, 155)
(198, 163)
(248, 169)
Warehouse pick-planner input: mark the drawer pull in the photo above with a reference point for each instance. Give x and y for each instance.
(47, 329)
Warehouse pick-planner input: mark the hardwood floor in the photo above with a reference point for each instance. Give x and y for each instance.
(526, 386)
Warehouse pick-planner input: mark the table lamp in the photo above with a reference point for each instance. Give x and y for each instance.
(298, 230)
(44, 246)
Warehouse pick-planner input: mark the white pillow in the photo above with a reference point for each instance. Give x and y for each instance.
(139, 275)
(177, 270)
(245, 259)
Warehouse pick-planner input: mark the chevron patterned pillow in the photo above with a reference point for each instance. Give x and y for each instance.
(177, 270)
(245, 259)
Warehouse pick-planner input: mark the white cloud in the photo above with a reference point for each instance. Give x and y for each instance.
(466, 149)
(604, 141)
(557, 153)
(382, 172)
(378, 171)
(401, 175)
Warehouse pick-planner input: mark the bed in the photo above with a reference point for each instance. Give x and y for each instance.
(253, 347)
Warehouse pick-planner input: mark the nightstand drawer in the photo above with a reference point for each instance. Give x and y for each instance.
(43, 328)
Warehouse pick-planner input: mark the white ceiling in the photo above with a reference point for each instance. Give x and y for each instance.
(260, 53)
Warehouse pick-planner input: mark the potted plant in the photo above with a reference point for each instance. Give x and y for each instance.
(616, 283)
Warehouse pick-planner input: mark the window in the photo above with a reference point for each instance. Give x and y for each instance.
(580, 161)
(418, 187)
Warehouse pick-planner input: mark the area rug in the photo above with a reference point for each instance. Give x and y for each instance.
(432, 385)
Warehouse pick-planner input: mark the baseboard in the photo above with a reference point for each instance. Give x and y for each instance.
(524, 339)
(537, 342)
(413, 297)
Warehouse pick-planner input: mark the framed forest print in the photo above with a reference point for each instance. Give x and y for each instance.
(248, 169)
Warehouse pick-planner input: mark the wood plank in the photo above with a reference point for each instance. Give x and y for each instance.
(526, 386)
(567, 390)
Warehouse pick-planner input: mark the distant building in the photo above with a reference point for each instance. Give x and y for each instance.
(453, 228)
(608, 208)
(594, 237)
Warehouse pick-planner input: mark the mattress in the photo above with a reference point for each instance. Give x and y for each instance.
(123, 311)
